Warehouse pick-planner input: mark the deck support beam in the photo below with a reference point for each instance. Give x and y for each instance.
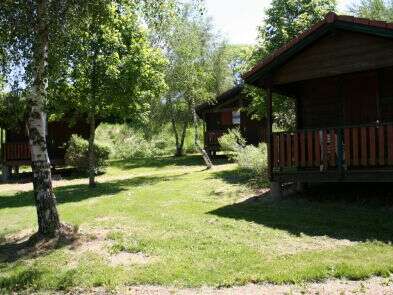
(300, 186)
(6, 172)
(275, 190)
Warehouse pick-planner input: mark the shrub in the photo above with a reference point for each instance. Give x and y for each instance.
(126, 142)
(232, 141)
(248, 157)
(253, 158)
(77, 154)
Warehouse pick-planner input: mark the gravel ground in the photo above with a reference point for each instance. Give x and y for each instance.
(374, 286)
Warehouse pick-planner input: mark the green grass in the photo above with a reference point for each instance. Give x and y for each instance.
(195, 225)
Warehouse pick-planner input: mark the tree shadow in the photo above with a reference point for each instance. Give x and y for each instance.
(66, 173)
(189, 160)
(302, 214)
(80, 192)
(30, 246)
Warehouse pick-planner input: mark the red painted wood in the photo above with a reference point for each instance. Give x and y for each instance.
(355, 146)
(363, 146)
(332, 148)
(289, 150)
(302, 150)
(372, 145)
(317, 148)
(390, 144)
(282, 150)
(347, 146)
(325, 150)
(296, 149)
(310, 157)
(381, 145)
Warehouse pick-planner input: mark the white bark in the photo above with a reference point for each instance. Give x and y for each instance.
(48, 219)
(203, 152)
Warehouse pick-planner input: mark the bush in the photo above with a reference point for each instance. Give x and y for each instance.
(253, 158)
(232, 141)
(248, 157)
(127, 143)
(77, 154)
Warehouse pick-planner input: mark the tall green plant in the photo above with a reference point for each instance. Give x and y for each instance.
(112, 71)
(374, 9)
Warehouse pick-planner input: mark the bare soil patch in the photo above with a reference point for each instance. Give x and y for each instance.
(30, 245)
(374, 286)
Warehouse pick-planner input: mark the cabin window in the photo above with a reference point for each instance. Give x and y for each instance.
(235, 118)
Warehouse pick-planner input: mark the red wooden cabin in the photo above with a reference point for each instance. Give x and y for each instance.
(340, 74)
(15, 150)
(226, 113)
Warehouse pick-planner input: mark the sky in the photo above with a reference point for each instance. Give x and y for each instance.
(237, 20)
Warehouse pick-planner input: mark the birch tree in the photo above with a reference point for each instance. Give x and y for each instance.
(25, 38)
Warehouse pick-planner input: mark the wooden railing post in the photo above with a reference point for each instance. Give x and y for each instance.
(340, 150)
(269, 124)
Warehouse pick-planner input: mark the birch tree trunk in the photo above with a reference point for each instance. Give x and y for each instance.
(45, 200)
(205, 156)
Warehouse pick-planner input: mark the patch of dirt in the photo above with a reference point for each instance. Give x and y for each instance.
(293, 246)
(30, 245)
(125, 258)
(96, 242)
(375, 286)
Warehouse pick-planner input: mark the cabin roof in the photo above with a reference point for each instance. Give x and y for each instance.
(222, 98)
(331, 21)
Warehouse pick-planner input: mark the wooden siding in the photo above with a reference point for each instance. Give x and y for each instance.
(320, 104)
(338, 53)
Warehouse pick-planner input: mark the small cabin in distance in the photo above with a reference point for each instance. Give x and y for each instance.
(227, 112)
(15, 148)
(340, 75)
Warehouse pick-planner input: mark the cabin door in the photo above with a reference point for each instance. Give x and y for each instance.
(360, 92)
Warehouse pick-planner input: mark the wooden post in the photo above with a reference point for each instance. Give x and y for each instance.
(1, 146)
(275, 186)
(269, 127)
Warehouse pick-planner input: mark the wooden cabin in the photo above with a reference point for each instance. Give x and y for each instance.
(226, 113)
(15, 149)
(340, 74)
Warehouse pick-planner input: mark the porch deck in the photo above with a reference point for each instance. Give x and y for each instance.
(350, 153)
(18, 154)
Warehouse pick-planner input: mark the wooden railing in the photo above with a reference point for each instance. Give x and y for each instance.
(334, 148)
(16, 151)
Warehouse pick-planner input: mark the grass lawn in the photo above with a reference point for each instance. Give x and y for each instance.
(170, 222)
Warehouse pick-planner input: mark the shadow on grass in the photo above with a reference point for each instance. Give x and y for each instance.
(339, 219)
(80, 192)
(242, 177)
(67, 173)
(189, 160)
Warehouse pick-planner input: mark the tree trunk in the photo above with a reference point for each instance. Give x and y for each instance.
(92, 156)
(183, 136)
(205, 156)
(92, 119)
(45, 200)
(179, 151)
